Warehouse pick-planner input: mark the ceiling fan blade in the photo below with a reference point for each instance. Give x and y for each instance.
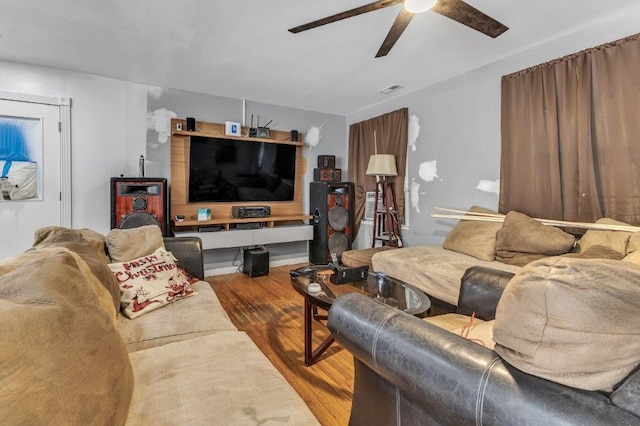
(381, 4)
(398, 27)
(471, 17)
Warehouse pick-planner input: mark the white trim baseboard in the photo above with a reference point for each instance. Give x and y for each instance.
(272, 264)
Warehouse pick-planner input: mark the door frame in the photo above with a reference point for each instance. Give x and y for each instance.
(64, 127)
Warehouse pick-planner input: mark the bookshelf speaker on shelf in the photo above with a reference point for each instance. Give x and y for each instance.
(331, 205)
(139, 201)
(326, 171)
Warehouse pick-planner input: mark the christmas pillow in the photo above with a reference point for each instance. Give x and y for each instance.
(150, 282)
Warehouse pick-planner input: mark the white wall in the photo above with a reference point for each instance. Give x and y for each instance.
(460, 128)
(108, 128)
(333, 135)
(109, 131)
(216, 109)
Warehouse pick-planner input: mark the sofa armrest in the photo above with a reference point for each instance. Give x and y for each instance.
(627, 395)
(188, 251)
(411, 372)
(480, 291)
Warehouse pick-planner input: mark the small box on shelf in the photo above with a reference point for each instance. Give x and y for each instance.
(204, 215)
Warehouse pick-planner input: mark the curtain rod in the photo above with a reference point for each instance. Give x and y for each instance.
(574, 55)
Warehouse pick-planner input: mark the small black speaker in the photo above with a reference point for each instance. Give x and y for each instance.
(191, 124)
(294, 135)
(256, 262)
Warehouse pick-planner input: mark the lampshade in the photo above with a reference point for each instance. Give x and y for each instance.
(382, 165)
(419, 6)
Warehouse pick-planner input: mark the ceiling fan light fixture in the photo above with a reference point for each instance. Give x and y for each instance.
(419, 6)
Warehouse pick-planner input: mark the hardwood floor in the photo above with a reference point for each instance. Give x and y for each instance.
(270, 311)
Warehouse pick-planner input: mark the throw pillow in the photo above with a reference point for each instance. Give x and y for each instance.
(522, 234)
(597, 252)
(97, 240)
(474, 238)
(615, 240)
(634, 242)
(63, 360)
(150, 282)
(633, 257)
(73, 241)
(572, 321)
(127, 244)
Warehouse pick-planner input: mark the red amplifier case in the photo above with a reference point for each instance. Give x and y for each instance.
(327, 175)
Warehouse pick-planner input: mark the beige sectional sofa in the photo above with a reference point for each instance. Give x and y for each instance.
(506, 246)
(68, 357)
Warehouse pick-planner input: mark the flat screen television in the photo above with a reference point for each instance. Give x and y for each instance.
(234, 170)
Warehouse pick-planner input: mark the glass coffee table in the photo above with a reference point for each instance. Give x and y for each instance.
(381, 287)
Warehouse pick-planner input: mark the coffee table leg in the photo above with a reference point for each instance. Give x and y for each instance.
(308, 314)
(311, 355)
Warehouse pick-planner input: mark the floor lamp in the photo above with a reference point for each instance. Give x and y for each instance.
(386, 227)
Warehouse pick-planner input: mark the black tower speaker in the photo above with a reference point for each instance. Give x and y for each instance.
(331, 205)
(256, 262)
(139, 201)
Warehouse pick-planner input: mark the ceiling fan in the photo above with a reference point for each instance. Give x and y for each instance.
(454, 9)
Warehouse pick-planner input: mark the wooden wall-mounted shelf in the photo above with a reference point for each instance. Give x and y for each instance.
(269, 222)
(221, 212)
(286, 141)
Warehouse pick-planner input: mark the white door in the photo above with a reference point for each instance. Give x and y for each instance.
(34, 128)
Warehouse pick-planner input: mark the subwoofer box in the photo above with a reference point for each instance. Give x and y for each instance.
(256, 262)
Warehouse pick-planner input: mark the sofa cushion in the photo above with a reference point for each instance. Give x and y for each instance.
(615, 240)
(128, 244)
(449, 322)
(475, 238)
(431, 268)
(192, 317)
(95, 239)
(150, 282)
(572, 321)
(362, 257)
(633, 257)
(74, 241)
(62, 360)
(476, 330)
(522, 239)
(634, 243)
(222, 378)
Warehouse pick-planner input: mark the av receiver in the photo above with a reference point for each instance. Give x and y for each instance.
(247, 212)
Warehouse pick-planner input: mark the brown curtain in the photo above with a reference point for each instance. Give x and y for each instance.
(391, 138)
(570, 138)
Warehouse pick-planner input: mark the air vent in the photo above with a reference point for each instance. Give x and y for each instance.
(390, 89)
(370, 205)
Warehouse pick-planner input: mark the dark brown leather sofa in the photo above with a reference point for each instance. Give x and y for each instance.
(410, 372)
